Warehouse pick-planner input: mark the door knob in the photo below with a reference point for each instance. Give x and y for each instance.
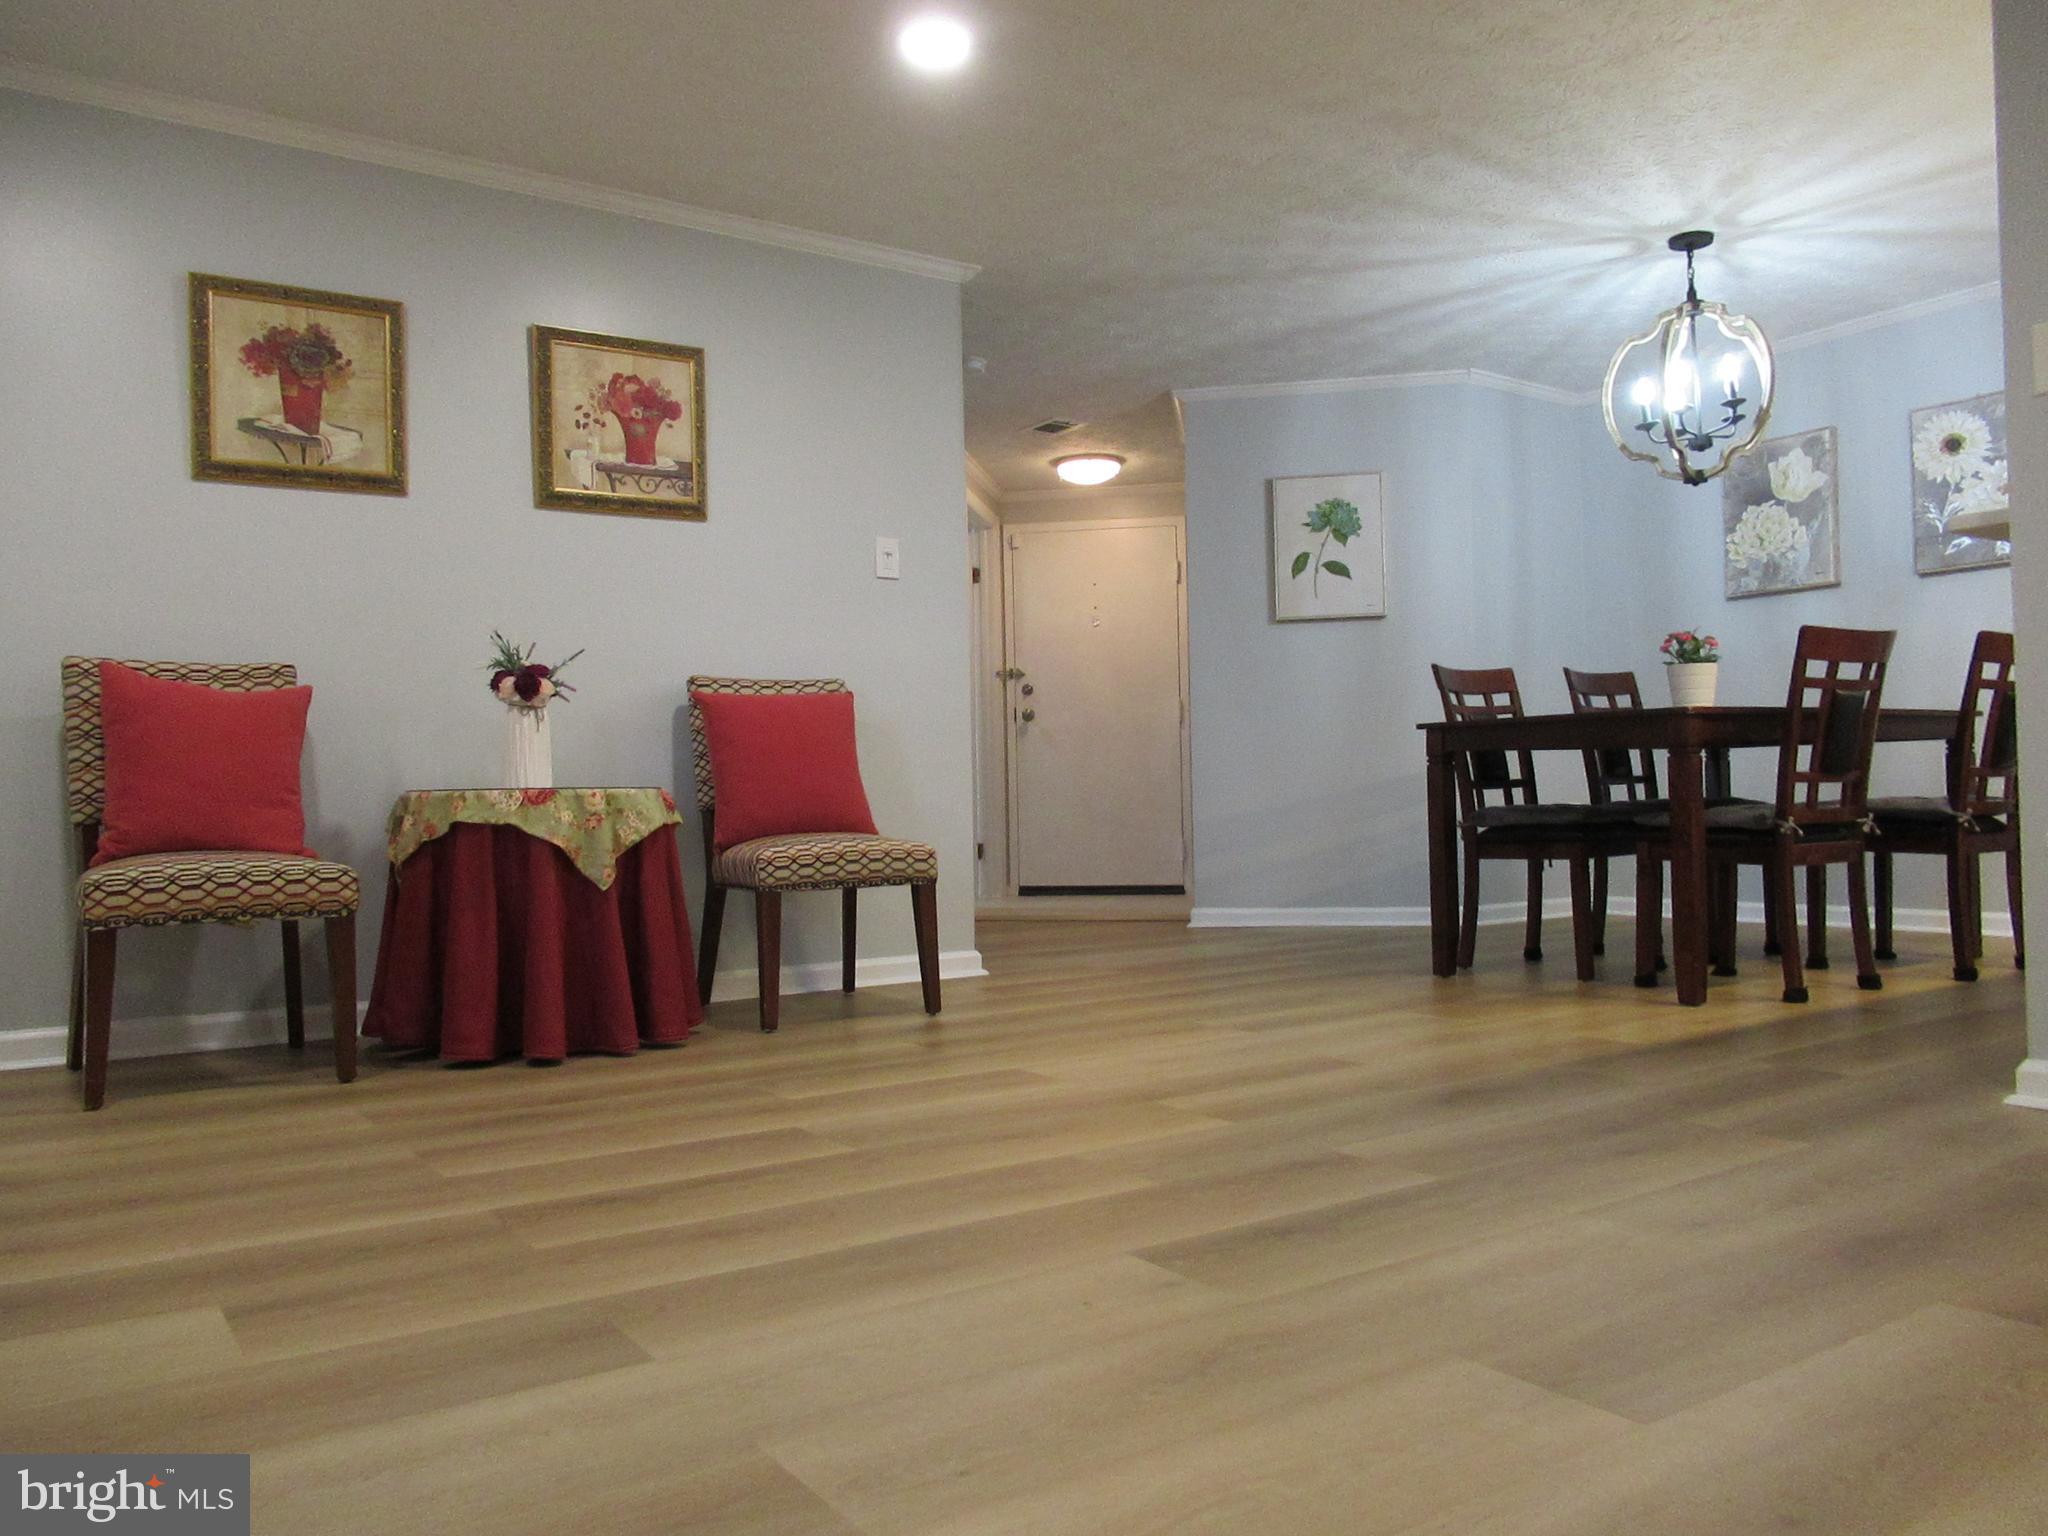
(1029, 714)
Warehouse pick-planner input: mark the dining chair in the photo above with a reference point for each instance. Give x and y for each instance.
(1817, 818)
(215, 886)
(772, 867)
(1980, 814)
(1521, 827)
(1614, 775)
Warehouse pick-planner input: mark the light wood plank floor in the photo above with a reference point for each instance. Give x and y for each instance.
(1150, 1231)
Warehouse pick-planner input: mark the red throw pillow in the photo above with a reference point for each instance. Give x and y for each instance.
(783, 762)
(192, 767)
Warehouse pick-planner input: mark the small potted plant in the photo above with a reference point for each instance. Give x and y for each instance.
(1692, 664)
(526, 687)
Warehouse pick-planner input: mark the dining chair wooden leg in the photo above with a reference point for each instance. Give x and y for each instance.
(707, 941)
(1468, 918)
(1974, 867)
(1883, 863)
(849, 909)
(2014, 900)
(1649, 917)
(341, 981)
(1721, 918)
(1859, 928)
(1816, 917)
(1581, 875)
(924, 907)
(1770, 918)
(99, 1012)
(294, 990)
(1779, 872)
(1532, 925)
(74, 1042)
(1964, 957)
(768, 956)
(1600, 905)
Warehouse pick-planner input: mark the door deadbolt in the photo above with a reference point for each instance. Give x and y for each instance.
(1026, 690)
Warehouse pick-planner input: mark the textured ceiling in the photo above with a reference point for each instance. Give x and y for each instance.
(1175, 193)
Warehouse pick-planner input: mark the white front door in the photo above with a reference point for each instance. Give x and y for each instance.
(1097, 789)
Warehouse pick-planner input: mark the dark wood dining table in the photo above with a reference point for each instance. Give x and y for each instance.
(1693, 740)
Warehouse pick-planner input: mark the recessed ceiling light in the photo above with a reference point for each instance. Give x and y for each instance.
(1088, 468)
(934, 43)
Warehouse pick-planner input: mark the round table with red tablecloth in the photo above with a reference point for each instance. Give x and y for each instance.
(537, 923)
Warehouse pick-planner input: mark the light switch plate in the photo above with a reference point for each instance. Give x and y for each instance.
(2041, 358)
(888, 559)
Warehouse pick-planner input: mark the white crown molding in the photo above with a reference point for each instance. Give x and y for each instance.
(1102, 492)
(1900, 315)
(62, 85)
(178, 1034)
(1885, 317)
(981, 482)
(1474, 376)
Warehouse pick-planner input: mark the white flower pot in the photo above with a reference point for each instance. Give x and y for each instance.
(529, 749)
(1692, 682)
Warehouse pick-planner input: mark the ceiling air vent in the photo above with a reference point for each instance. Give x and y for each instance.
(1056, 426)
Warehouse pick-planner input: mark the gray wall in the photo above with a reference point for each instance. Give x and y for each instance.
(1307, 768)
(2021, 51)
(1517, 535)
(834, 415)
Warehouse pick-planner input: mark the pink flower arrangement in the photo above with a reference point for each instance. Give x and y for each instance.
(521, 681)
(1682, 645)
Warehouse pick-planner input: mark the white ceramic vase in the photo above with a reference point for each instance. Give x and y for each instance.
(529, 748)
(1692, 682)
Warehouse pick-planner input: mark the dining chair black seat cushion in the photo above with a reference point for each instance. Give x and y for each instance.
(1749, 818)
(1923, 813)
(1542, 816)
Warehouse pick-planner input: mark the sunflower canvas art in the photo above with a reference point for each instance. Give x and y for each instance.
(1779, 519)
(1961, 520)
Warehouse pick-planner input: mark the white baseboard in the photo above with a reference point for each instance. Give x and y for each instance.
(177, 1034)
(2030, 1085)
(1904, 919)
(884, 971)
(167, 1035)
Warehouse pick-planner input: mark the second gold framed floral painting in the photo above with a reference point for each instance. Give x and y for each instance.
(618, 425)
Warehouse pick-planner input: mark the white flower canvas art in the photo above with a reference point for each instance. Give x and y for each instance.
(1961, 520)
(1779, 517)
(1329, 547)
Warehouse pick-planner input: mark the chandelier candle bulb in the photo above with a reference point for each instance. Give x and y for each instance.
(1678, 434)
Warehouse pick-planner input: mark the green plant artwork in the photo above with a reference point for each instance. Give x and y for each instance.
(1336, 519)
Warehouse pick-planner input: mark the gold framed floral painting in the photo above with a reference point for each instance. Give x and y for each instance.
(297, 387)
(618, 425)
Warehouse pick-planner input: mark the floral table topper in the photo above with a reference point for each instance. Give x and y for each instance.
(1778, 517)
(592, 826)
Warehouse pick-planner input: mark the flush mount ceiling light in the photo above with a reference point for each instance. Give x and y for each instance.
(934, 44)
(1088, 468)
(1656, 378)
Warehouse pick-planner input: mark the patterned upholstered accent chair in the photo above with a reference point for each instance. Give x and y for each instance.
(207, 887)
(814, 861)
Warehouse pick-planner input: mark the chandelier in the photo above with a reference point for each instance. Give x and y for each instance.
(1658, 379)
